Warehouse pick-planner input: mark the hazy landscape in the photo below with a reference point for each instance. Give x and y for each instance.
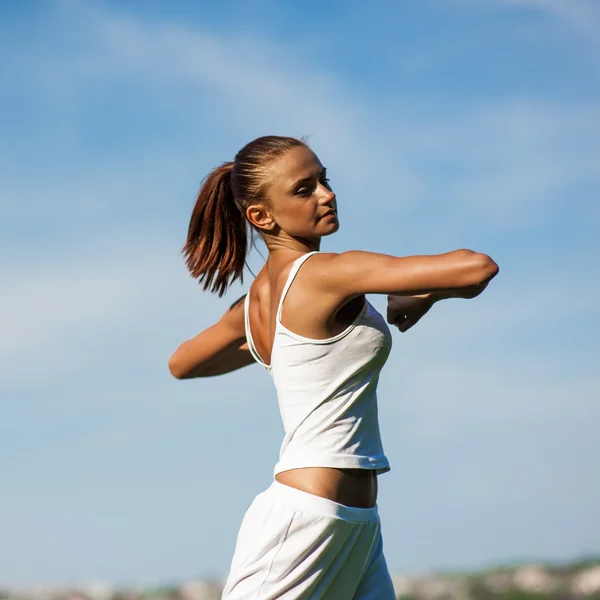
(520, 582)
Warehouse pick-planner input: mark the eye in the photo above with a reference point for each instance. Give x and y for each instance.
(304, 191)
(325, 182)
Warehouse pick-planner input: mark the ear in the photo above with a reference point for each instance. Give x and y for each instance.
(260, 216)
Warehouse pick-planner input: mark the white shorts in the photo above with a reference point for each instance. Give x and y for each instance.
(294, 545)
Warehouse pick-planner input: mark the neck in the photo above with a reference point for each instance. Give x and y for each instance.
(281, 245)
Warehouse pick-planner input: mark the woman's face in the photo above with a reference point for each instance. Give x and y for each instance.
(300, 199)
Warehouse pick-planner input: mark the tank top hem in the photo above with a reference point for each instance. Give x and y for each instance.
(334, 461)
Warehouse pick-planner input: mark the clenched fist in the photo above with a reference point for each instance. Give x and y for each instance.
(405, 311)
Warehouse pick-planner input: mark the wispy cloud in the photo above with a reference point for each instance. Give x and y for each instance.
(71, 309)
(249, 82)
(503, 161)
(583, 14)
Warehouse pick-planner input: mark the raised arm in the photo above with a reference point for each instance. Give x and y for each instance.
(356, 272)
(220, 349)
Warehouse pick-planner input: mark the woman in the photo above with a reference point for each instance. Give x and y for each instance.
(315, 532)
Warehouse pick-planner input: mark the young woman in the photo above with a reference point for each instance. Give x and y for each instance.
(315, 532)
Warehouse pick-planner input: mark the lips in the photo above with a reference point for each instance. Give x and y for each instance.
(328, 213)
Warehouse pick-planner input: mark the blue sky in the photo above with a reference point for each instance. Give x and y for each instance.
(463, 123)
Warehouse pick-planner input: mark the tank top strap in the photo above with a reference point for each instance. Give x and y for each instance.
(292, 275)
(249, 338)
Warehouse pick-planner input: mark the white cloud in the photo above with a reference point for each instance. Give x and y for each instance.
(249, 85)
(582, 14)
(255, 82)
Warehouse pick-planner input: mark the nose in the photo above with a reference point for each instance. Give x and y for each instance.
(328, 195)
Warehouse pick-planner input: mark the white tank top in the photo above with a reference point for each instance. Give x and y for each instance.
(327, 390)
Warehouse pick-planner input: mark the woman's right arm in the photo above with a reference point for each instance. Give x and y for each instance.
(220, 349)
(356, 272)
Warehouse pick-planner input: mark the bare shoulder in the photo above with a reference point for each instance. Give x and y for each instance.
(320, 265)
(322, 277)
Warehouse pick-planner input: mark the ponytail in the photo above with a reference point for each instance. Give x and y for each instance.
(217, 240)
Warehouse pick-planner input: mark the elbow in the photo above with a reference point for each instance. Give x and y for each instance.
(180, 367)
(491, 268)
(176, 368)
(478, 268)
(485, 268)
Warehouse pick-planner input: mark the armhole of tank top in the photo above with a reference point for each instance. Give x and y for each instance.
(249, 337)
(292, 275)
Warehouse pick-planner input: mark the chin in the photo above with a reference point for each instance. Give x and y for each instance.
(336, 226)
(329, 231)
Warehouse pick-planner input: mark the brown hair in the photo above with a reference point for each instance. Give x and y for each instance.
(217, 239)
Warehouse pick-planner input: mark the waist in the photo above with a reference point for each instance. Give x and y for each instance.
(351, 487)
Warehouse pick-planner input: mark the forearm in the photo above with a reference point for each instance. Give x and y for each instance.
(434, 297)
(227, 360)
(466, 293)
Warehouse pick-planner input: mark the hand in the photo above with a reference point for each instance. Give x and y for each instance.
(406, 311)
